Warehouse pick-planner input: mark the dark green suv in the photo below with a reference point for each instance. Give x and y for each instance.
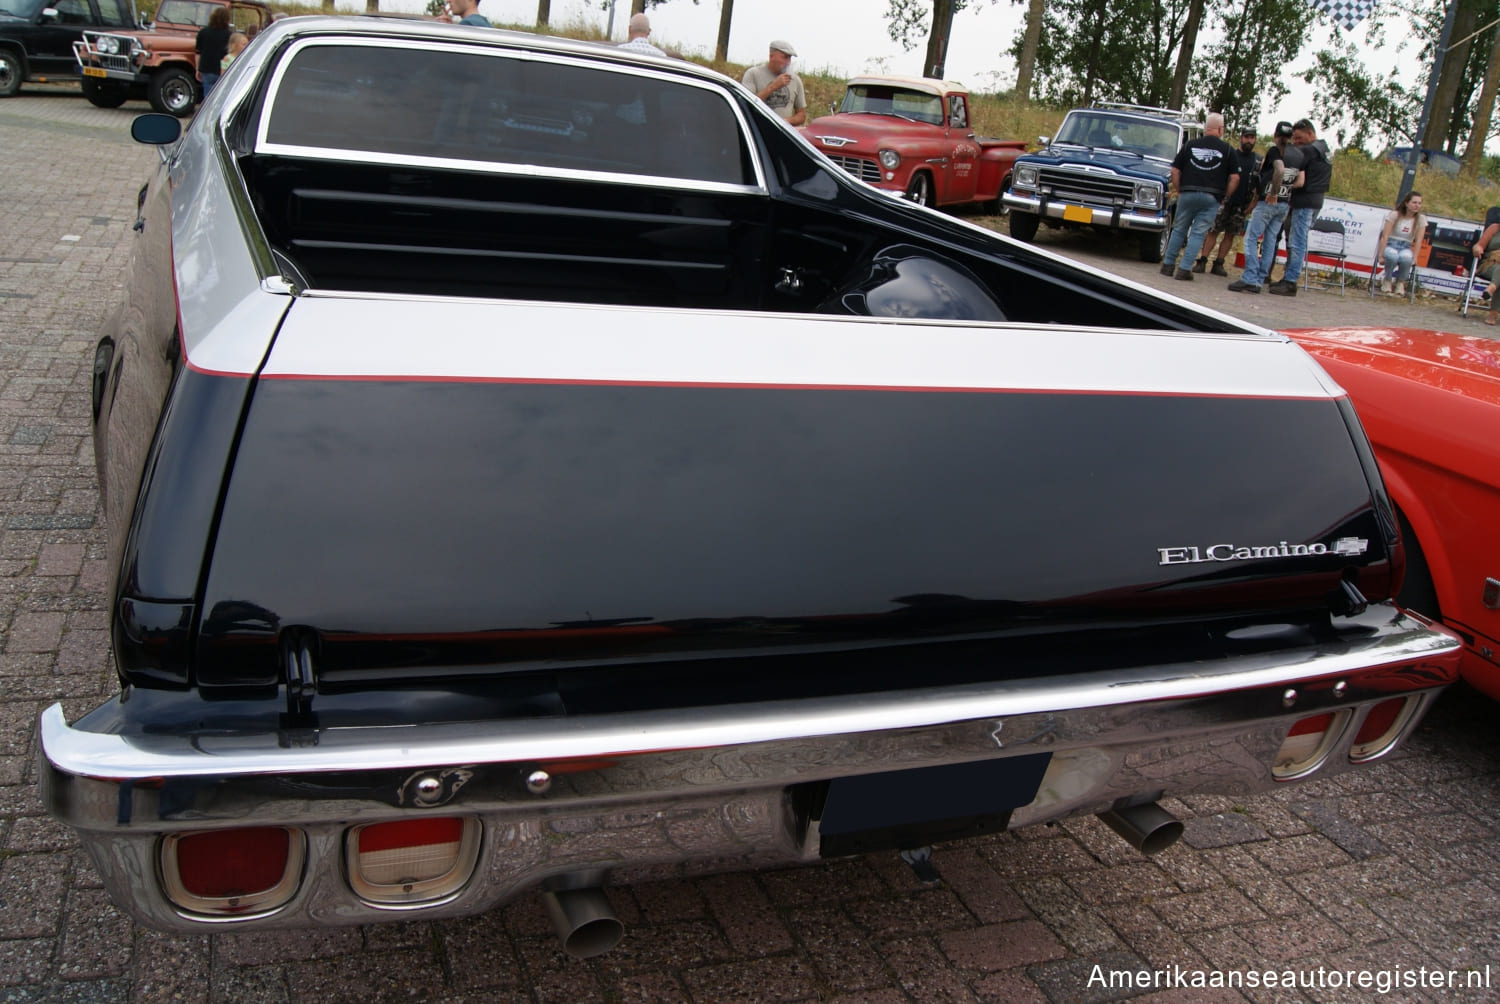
(37, 36)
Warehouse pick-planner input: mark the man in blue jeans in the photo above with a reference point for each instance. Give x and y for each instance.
(1306, 203)
(1280, 175)
(1204, 173)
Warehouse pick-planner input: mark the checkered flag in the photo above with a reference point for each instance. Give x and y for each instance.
(1345, 13)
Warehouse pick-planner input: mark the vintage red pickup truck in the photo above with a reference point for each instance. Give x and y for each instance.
(912, 135)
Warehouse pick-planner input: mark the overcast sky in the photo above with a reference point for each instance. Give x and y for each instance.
(841, 37)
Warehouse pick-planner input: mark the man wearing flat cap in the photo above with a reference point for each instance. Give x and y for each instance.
(774, 83)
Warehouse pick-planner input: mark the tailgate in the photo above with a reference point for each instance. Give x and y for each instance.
(424, 485)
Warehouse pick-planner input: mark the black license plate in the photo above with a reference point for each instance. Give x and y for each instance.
(913, 808)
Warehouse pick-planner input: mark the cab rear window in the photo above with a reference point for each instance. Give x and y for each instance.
(487, 106)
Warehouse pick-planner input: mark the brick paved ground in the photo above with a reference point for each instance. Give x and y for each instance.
(1396, 865)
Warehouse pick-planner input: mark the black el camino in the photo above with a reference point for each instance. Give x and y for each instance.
(531, 465)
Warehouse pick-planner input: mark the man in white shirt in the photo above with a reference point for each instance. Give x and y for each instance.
(775, 83)
(640, 36)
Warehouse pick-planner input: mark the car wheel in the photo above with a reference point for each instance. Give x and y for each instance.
(104, 95)
(173, 92)
(920, 189)
(1154, 246)
(1023, 225)
(11, 73)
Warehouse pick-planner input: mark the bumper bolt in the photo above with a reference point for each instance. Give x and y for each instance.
(538, 781)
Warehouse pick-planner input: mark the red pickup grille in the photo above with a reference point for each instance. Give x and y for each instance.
(864, 170)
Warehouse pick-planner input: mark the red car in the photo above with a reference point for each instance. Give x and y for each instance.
(1430, 402)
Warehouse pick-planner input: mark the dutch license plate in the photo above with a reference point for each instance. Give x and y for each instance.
(1078, 214)
(94, 71)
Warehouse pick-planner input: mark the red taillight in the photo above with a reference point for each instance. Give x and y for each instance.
(410, 834)
(1311, 724)
(233, 872)
(412, 861)
(234, 862)
(1308, 743)
(1383, 726)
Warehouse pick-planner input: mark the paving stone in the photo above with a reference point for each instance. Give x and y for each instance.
(749, 921)
(1221, 830)
(1089, 980)
(780, 978)
(841, 950)
(1001, 946)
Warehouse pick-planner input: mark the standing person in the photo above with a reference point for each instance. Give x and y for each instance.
(774, 83)
(1306, 201)
(213, 46)
(640, 36)
(1203, 176)
(1487, 250)
(1230, 222)
(1399, 237)
(1280, 174)
(467, 12)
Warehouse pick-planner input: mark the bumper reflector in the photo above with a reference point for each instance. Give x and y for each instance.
(233, 873)
(412, 861)
(1308, 743)
(1384, 724)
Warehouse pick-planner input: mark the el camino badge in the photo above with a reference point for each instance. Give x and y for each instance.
(1193, 555)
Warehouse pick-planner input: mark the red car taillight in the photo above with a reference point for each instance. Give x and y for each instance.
(1308, 743)
(1382, 727)
(233, 873)
(412, 861)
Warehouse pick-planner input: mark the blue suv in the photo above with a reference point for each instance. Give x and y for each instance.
(1108, 167)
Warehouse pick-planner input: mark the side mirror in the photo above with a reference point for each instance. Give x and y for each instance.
(49, 13)
(155, 129)
(833, 108)
(1044, 140)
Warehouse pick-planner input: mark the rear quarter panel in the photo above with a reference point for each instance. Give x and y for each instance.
(1435, 426)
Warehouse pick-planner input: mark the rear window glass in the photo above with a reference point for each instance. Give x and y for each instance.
(452, 104)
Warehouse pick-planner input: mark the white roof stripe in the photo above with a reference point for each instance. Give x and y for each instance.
(374, 338)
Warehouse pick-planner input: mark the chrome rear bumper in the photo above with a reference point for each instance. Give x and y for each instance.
(708, 789)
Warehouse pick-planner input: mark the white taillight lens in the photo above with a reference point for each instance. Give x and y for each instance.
(233, 873)
(1384, 724)
(1308, 743)
(412, 861)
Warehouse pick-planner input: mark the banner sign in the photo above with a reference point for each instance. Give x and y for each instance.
(1442, 257)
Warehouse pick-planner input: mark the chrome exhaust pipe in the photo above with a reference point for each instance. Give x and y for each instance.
(1148, 828)
(585, 922)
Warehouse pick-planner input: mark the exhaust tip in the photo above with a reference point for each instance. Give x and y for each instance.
(1148, 828)
(585, 922)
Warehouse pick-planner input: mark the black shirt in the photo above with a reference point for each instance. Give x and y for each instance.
(1249, 164)
(213, 46)
(1205, 165)
(1319, 176)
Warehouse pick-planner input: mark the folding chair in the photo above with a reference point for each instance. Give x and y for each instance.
(1469, 294)
(1326, 239)
(1411, 286)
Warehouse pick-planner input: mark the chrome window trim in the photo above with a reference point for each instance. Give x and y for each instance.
(264, 146)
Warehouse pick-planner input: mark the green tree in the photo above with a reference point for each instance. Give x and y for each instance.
(908, 21)
(1111, 50)
(1376, 110)
(1241, 72)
